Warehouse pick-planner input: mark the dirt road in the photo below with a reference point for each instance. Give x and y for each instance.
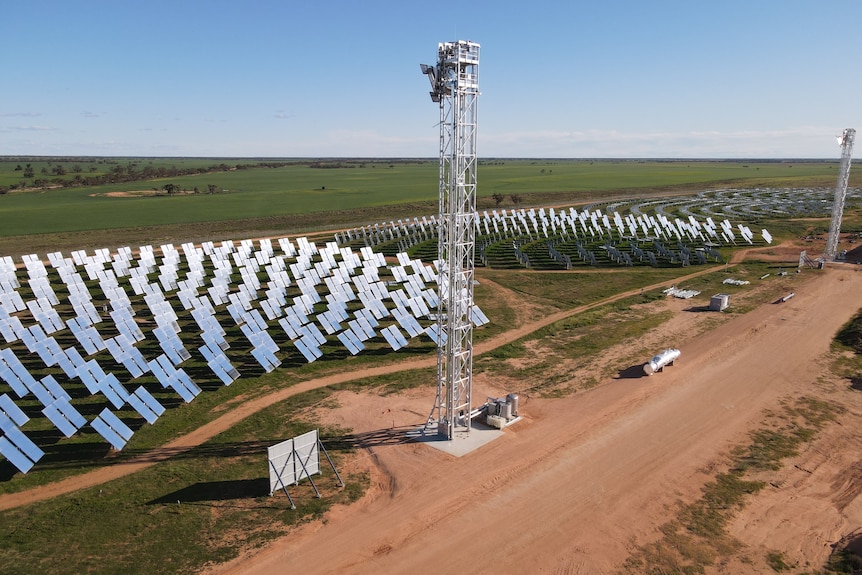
(584, 479)
(243, 410)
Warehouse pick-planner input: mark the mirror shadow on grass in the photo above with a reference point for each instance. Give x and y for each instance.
(206, 491)
(75, 455)
(219, 491)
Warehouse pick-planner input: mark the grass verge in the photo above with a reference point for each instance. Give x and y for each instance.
(698, 537)
(174, 517)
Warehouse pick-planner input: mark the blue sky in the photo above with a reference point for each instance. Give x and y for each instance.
(670, 79)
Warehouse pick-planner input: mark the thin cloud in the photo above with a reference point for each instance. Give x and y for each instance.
(88, 114)
(32, 128)
(282, 115)
(363, 143)
(795, 142)
(20, 114)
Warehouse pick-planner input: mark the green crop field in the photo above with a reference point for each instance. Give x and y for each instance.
(174, 200)
(209, 504)
(302, 189)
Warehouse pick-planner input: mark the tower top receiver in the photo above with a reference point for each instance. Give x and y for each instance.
(457, 65)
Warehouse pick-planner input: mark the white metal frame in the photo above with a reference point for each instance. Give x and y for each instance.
(846, 141)
(455, 86)
(296, 459)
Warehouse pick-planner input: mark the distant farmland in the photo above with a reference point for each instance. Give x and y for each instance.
(306, 194)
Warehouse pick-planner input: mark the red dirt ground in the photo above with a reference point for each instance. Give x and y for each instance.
(243, 410)
(582, 481)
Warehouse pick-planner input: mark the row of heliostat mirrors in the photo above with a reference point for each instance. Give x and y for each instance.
(541, 223)
(318, 299)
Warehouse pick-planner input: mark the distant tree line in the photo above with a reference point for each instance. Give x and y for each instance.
(171, 189)
(57, 175)
(119, 173)
(362, 163)
(330, 165)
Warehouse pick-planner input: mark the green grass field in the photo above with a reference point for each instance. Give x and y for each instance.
(211, 503)
(378, 186)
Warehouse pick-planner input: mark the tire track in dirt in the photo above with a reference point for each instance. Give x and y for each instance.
(208, 431)
(587, 479)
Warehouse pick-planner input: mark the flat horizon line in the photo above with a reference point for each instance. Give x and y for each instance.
(417, 158)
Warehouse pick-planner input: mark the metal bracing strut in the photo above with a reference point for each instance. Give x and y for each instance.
(455, 86)
(846, 142)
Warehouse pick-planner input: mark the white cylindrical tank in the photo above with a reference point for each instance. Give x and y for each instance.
(512, 399)
(662, 359)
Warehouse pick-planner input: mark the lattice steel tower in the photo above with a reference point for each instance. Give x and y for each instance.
(846, 142)
(455, 86)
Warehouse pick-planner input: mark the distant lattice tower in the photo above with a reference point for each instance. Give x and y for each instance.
(455, 86)
(846, 142)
